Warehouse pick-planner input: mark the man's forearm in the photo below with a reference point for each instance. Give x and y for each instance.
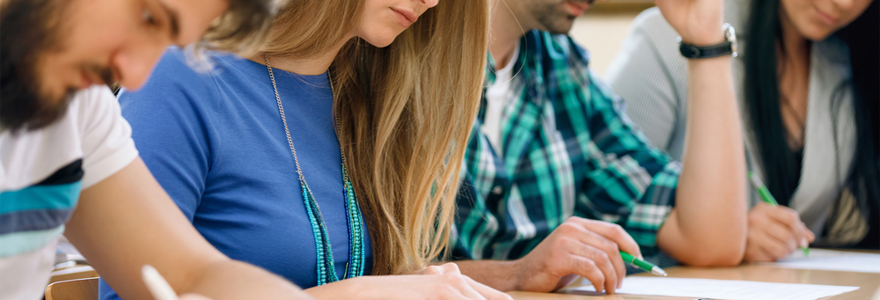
(229, 279)
(497, 274)
(708, 225)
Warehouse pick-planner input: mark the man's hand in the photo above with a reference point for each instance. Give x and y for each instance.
(698, 22)
(775, 232)
(577, 247)
(193, 297)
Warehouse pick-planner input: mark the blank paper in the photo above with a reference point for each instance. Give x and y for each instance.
(831, 260)
(723, 289)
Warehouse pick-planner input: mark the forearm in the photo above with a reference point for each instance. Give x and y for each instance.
(229, 279)
(708, 225)
(127, 221)
(497, 274)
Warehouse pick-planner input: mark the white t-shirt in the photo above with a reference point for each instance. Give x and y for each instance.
(41, 175)
(497, 96)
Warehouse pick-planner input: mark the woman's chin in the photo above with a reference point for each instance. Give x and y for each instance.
(381, 40)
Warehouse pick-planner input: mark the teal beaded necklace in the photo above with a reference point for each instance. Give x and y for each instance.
(325, 267)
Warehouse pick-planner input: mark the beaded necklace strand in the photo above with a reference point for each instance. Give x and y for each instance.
(325, 263)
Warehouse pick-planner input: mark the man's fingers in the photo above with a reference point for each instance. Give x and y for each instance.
(590, 271)
(608, 260)
(612, 232)
(608, 247)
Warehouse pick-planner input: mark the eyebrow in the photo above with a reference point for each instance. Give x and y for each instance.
(173, 19)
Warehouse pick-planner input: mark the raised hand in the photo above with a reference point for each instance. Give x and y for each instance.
(698, 22)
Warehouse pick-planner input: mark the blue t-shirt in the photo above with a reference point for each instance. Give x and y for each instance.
(216, 144)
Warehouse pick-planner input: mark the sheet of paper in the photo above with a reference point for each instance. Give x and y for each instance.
(831, 260)
(723, 289)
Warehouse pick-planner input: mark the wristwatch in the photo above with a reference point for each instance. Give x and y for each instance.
(728, 47)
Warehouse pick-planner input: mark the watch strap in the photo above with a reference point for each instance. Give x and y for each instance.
(693, 51)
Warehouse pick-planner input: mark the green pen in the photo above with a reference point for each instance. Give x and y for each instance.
(768, 198)
(641, 264)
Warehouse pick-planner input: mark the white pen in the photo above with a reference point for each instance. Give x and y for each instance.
(157, 285)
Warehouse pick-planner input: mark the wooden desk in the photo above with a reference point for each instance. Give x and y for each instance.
(868, 283)
(72, 273)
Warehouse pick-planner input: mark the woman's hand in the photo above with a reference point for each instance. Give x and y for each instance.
(698, 22)
(444, 282)
(775, 232)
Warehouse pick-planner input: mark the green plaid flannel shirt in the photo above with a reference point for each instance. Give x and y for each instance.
(568, 150)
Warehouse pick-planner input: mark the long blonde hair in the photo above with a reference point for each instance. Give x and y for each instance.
(405, 114)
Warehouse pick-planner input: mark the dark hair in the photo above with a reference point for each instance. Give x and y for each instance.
(764, 113)
(27, 29)
(243, 26)
(863, 38)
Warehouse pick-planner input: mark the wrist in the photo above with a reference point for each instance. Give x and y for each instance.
(519, 269)
(705, 40)
(704, 47)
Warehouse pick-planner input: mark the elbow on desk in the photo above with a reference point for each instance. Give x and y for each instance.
(728, 254)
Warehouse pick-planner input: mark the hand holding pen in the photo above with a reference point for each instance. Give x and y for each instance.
(774, 231)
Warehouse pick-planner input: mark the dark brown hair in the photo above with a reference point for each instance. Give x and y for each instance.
(27, 29)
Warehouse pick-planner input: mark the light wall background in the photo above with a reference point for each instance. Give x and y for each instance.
(603, 29)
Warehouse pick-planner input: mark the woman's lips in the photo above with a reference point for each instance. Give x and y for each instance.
(826, 18)
(405, 17)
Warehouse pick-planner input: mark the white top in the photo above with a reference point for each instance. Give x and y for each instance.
(651, 75)
(35, 206)
(497, 96)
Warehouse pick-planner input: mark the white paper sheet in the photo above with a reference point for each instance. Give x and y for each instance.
(723, 289)
(831, 260)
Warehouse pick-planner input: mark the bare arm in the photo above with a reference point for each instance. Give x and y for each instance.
(127, 220)
(708, 225)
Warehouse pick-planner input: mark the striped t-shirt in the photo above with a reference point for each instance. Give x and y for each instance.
(41, 175)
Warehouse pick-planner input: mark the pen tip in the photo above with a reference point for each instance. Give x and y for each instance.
(658, 271)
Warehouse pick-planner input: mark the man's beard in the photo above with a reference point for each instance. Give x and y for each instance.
(22, 106)
(27, 34)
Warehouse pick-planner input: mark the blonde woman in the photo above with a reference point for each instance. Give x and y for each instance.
(326, 156)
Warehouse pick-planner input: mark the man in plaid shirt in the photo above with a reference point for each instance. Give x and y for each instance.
(557, 178)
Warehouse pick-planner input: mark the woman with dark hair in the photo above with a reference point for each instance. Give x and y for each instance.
(807, 82)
